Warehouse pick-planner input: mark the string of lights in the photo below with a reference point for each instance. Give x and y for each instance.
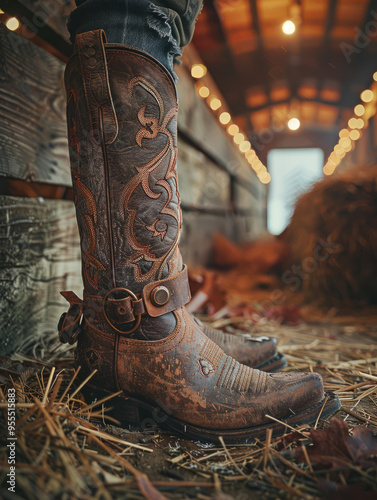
(12, 23)
(198, 71)
(348, 136)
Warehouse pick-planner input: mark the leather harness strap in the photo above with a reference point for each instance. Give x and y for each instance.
(91, 53)
(69, 323)
(120, 307)
(161, 297)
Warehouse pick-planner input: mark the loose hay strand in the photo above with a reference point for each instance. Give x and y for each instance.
(64, 448)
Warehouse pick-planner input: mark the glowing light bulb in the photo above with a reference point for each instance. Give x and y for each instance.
(233, 129)
(238, 138)
(328, 169)
(204, 92)
(375, 76)
(256, 164)
(288, 27)
(12, 24)
(345, 142)
(344, 133)
(215, 103)
(359, 110)
(264, 177)
(224, 118)
(245, 146)
(198, 70)
(250, 155)
(355, 135)
(367, 95)
(294, 124)
(352, 123)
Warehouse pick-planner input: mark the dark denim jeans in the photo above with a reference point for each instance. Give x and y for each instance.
(159, 27)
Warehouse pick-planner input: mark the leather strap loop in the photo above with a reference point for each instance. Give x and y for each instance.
(69, 325)
(91, 52)
(124, 310)
(120, 310)
(179, 294)
(113, 308)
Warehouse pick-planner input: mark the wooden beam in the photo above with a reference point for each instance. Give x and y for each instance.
(36, 24)
(261, 49)
(289, 99)
(330, 20)
(256, 23)
(343, 98)
(372, 6)
(213, 10)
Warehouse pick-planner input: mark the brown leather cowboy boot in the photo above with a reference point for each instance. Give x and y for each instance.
(132, 326)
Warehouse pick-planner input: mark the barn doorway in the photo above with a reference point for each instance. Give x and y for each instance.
(293, 171)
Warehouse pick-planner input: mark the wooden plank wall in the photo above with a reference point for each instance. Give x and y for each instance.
(39, 246)
(39, 257)
(33, 141)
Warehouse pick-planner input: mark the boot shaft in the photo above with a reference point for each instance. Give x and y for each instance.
(122, 126)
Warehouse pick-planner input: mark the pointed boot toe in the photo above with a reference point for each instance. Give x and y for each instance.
(292, 393)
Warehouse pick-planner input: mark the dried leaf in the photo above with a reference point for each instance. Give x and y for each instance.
(363, 446)
(334, 447)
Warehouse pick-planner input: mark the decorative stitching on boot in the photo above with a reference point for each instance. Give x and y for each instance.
(241, 378)
(226, 372)
(212, 353)
(143, 247)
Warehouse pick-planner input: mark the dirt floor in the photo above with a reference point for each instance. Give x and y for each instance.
(66, 449)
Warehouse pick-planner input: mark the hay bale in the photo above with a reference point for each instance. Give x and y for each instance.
(332, 238)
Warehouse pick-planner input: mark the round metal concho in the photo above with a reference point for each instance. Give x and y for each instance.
(160, 296)
(138, 316)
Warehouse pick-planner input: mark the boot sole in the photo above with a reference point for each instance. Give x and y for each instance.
(274, 364)
(137, 415)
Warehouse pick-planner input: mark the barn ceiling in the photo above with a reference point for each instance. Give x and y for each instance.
(317, 73)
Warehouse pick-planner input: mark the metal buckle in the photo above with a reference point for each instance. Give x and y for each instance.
(137, 316)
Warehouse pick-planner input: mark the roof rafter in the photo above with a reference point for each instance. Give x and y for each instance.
(330, 21)
(299, 98)
(261, 48)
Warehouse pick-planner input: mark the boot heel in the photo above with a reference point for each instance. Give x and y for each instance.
(120, 407)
